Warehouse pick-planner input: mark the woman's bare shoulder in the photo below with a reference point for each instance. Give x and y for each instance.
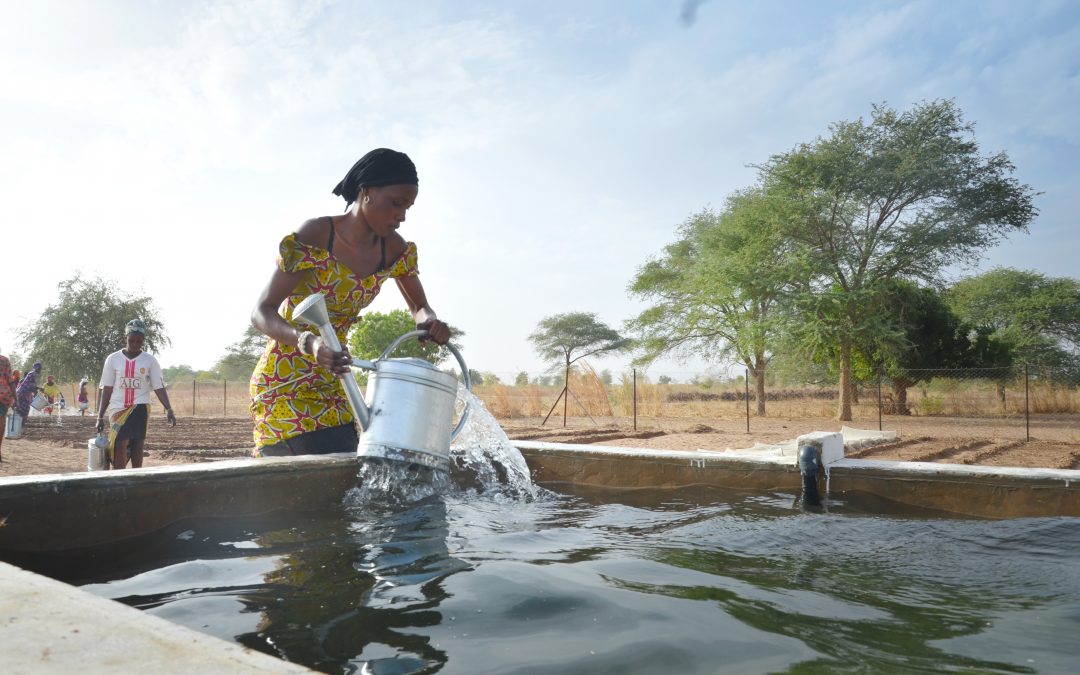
(314, 232)
(395, 246)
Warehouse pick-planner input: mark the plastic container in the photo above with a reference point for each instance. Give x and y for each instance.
(13, 429)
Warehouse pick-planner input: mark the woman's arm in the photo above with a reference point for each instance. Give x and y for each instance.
(424, 316)
(163, 396)
(103, 405)
(265, 316)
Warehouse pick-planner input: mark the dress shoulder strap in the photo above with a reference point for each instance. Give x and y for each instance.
(330, 244)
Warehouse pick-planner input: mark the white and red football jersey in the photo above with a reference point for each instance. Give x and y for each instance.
(132, 380)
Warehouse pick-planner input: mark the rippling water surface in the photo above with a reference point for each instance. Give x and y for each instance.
(620, 582)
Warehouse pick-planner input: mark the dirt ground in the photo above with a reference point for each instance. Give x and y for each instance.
(51, 447)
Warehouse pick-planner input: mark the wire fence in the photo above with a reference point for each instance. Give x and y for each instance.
(1018, 397)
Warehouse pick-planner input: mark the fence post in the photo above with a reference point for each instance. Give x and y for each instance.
(193, 397)
(746, 381)
(635, 399)
(225, 399)
(566, 397)
(1027, 407)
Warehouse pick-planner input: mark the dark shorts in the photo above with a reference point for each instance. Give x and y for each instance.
(342, 438)
(134, 428)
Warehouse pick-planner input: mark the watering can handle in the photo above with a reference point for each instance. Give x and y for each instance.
(461, 364)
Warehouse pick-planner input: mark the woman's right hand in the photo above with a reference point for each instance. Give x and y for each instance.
(336, 362)
(100, 425)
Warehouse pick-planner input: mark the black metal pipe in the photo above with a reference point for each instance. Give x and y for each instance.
(809, 464)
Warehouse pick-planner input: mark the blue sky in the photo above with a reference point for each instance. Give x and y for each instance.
(170, 145)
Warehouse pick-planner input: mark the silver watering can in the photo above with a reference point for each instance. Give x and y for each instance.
(97, 453)
(412, 402)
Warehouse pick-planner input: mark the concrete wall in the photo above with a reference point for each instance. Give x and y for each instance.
(986, 492)
(67, 511)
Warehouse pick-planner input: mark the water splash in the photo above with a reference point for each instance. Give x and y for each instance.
(483, 461)
(388, 486)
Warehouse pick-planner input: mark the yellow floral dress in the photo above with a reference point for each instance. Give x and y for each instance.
(290, 394)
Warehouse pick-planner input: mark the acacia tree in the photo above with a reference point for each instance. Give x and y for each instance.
(931, 337)
(570, 337)
(717, 287)
(376, 331)
(241, 356)
(904, 195)
(73, 337)
(1036, 316)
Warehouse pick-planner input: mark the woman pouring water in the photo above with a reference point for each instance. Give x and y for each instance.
(127, 379)
(26, 391)
(298, 403)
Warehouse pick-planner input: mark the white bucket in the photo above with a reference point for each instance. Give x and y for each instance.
(14, 426)
(96, 453)
(83, 405)
(39, 401)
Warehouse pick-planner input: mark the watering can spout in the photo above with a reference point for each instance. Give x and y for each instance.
(312, 310)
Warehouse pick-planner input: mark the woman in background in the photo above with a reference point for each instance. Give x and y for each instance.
(7, 395)
(25, 393)
(134, 373)
(53, 394)
(298, 403)
(83, 399)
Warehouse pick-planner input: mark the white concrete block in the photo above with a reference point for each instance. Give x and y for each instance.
(830, 442)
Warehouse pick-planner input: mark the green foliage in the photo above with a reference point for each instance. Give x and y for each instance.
(716, 287)
(664, 379)
(181, 373)
(1035, 316)
(558, 338)
(17, 361)
(72, 337)
(933, 337)
(376, 331)
(241, 356)
(521, 379)
(904, 195)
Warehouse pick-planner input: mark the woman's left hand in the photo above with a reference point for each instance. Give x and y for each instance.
(170, 417)
(438, 331)
(336, 362)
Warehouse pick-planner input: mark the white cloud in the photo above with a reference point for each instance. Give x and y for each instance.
(556, 151)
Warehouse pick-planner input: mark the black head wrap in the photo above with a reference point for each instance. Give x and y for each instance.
(381, 166)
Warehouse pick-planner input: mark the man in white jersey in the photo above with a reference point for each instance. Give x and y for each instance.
(131, 374)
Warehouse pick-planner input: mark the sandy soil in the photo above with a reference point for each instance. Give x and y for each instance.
(48, 447)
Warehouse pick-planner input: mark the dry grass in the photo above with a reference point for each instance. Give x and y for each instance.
(591, 397)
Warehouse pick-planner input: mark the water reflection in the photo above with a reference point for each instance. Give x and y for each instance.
(350, 591)
(846, 613)
(694, 581)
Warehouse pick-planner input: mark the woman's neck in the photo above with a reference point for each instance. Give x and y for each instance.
(355, 231)
(128, 353)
